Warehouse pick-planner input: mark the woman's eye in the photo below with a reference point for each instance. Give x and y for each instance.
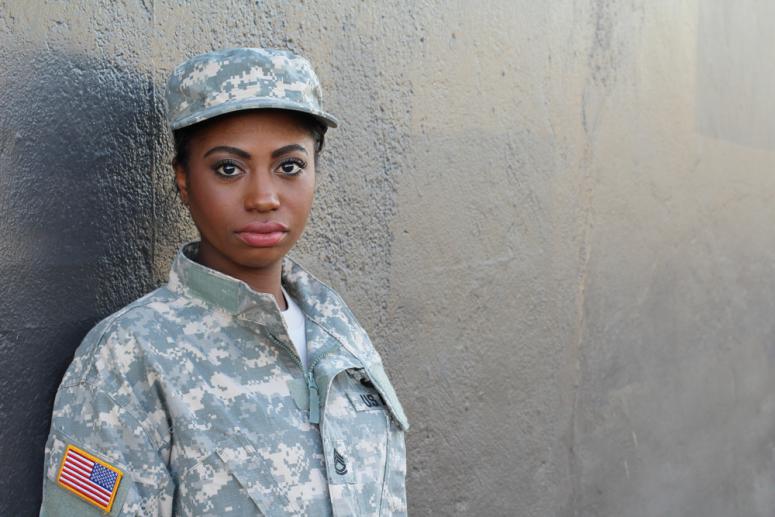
(291, 167)
(227, 169)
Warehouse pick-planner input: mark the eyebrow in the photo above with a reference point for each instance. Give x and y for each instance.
(244, 154)
(228, 149)
(288, 148)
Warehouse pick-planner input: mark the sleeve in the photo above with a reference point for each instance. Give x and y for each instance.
(99, 460)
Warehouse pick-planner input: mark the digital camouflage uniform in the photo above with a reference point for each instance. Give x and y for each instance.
(196, 396)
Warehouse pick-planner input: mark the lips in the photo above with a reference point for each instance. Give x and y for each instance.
(262, 234)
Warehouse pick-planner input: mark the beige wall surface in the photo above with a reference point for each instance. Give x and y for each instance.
(554, 219)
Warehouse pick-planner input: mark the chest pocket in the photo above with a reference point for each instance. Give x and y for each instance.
(217, 485)
(363, 443)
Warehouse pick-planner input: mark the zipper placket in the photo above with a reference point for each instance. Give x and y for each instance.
(312, 385)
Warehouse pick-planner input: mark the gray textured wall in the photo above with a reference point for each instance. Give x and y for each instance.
(553, 217)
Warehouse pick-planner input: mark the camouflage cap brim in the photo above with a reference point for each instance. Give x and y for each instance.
(326, 119)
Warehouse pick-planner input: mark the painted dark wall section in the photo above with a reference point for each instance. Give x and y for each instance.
(76, 233)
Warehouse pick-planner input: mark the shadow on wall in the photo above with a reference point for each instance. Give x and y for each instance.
(78, 138)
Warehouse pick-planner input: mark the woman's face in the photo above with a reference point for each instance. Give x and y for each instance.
(249, 184)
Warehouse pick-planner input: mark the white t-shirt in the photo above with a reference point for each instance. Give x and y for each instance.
(294, 320)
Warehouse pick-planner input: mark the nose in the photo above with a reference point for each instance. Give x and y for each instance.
(261, 194)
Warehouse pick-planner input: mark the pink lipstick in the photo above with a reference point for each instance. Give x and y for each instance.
(262, 234)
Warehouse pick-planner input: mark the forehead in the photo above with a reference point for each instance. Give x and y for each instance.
(254, 127)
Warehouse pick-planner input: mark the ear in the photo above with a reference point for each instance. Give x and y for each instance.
(181, 180)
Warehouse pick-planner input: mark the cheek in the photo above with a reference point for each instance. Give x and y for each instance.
(306, 198)
(207, 203)
(298, 204)
(300, 193)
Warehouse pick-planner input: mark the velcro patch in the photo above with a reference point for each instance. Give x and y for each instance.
(89, 477)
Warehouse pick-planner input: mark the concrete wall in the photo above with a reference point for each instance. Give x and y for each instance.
(554, 219)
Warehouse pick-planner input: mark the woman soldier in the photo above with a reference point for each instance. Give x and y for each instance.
(244, 386)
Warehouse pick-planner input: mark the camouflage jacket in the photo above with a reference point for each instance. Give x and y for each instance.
(193, 401)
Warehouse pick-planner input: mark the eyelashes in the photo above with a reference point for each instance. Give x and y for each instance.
(289, 167)
(292, 167)
(227, 168)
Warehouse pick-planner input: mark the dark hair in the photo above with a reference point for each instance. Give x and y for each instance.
(182, 137)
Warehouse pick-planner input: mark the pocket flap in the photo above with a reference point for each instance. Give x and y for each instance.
(255, 475)
(379, 378)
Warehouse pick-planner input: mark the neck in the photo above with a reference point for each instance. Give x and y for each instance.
(263, 280)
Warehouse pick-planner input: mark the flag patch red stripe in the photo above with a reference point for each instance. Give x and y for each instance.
(77, 470)
(77, 459)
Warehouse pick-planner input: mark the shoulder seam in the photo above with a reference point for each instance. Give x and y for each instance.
(95, 389)
(345, 345)
(108, 323)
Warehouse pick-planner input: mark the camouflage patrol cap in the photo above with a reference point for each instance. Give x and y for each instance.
(237, 79)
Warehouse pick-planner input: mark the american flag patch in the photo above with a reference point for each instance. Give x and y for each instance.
(89, 478)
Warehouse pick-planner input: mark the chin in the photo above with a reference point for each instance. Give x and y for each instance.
(260, 258)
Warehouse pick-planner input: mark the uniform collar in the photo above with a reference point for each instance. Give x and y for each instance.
(316, 300)
(213, 287)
